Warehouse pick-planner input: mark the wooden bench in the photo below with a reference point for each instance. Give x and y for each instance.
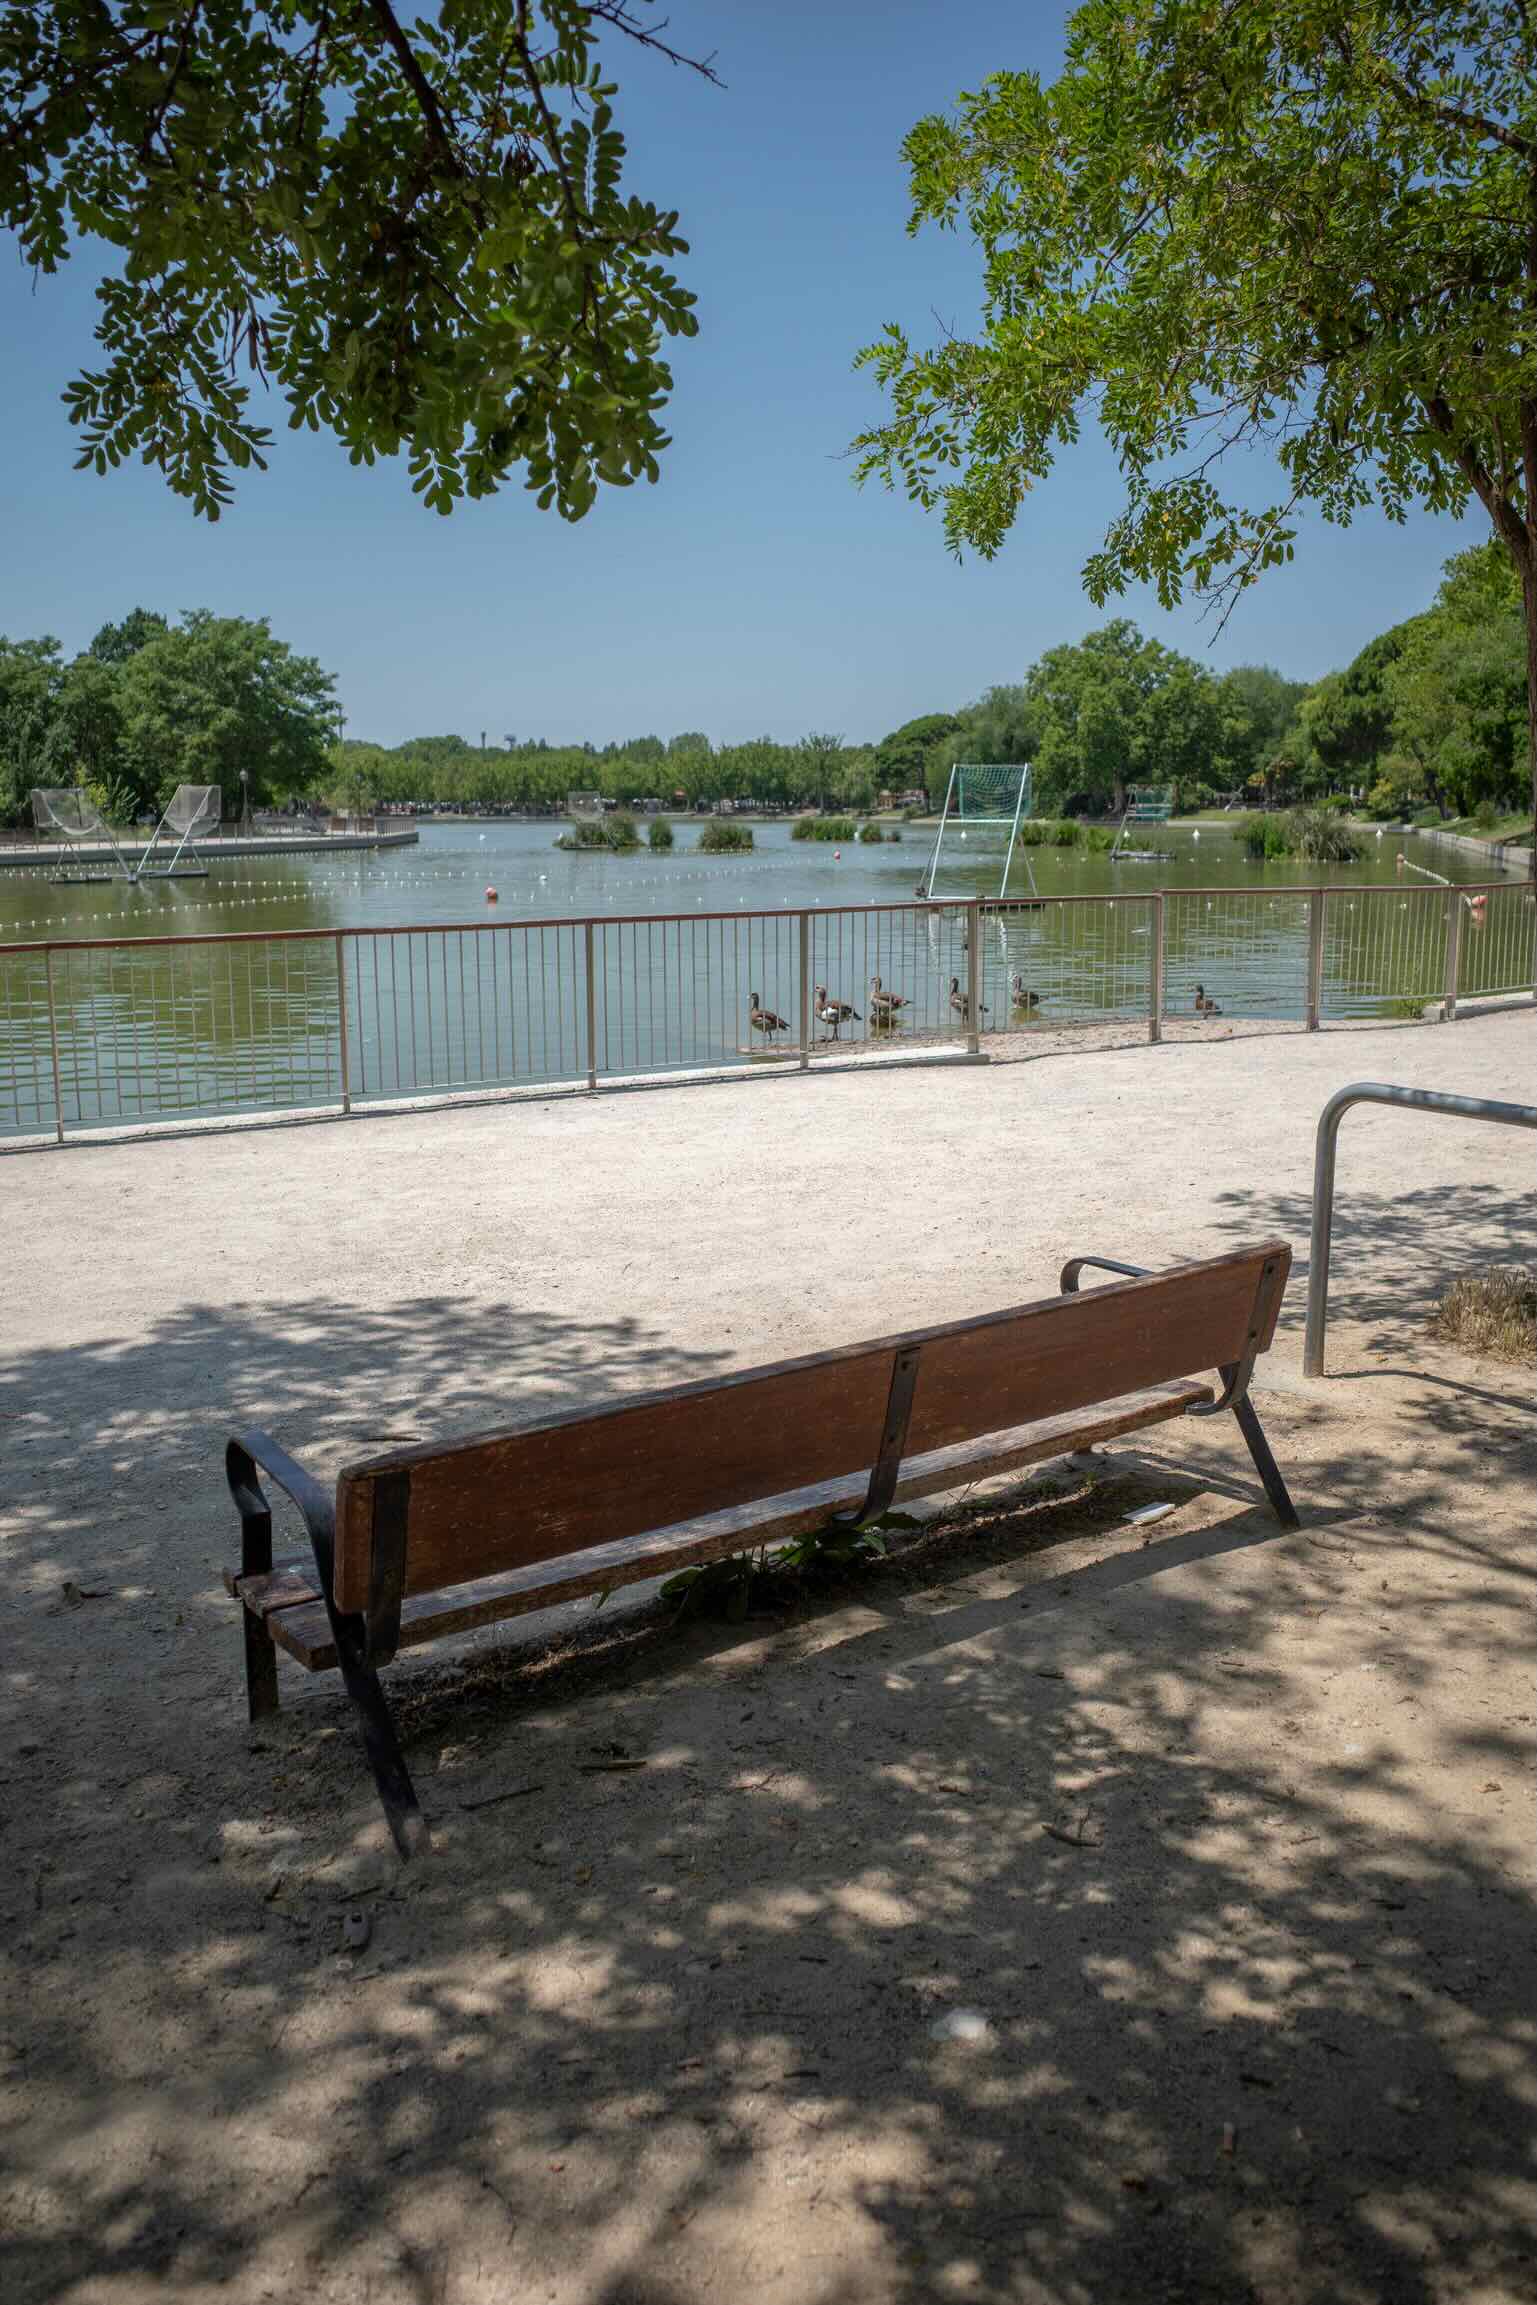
(429, 1541)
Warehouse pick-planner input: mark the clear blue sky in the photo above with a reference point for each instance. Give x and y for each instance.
(754, 589)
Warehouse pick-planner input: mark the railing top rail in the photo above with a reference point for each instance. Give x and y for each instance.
(991, 904)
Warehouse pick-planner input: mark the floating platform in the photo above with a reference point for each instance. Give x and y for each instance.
(80, 879)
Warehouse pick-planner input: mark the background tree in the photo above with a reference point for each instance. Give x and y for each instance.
(218, 694)
(1306, 224)
(820, 754)
(903, 758)
(30, 673)
(1456, 690)
(414, 232)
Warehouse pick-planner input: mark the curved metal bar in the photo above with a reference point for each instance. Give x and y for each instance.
(1372, 1092)
(1068, 1279)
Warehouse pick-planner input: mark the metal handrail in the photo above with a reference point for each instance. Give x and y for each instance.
(1372, 1092)
(590, 997)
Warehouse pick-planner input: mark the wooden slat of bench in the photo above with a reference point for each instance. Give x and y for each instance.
(505, 1500)
(303, 1630)
(275, 1588)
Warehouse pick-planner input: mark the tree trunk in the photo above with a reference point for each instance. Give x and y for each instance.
(1529, 603)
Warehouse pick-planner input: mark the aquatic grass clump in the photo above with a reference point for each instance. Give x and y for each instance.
(871, 835)
(1264, 837)
(613, 835)
(1492, 1312)
(837, 828)
(1319, 835)
(721, 837)
(1315, 833)
(659, 833)
(1065, 833)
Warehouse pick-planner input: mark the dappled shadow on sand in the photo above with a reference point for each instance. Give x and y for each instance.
(1393, 1254)
(1258, 2005)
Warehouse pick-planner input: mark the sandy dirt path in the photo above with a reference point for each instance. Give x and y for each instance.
(1225, 1837)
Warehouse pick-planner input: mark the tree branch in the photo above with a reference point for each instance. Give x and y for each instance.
(1452, 116)
(440, 130)
(1508, 523)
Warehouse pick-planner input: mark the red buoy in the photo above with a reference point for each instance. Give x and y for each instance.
(491, 896)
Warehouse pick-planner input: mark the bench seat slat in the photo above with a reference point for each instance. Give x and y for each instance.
(298, 1623)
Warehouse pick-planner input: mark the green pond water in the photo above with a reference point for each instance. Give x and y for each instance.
(444, 878)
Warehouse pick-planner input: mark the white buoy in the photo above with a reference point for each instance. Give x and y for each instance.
(1196, 834)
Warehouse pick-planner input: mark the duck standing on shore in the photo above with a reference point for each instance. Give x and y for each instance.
(884, 1006)
(764, 1020)
(834, 1012)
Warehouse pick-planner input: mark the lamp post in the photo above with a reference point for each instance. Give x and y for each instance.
(245, 801)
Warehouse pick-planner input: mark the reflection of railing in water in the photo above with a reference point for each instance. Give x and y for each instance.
(103, 1033)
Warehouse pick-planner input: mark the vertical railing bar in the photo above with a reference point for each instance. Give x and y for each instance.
(592, 1006)
(974, 976)
(805, 988)
(341, 1019)
(1453, 909)
(53, 1043)
(1155, 971)
(1315, 975)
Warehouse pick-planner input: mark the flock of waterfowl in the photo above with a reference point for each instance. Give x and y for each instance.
(886, 1008)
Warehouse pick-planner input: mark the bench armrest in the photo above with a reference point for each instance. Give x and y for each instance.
(246, 1455)
(1068, 1284)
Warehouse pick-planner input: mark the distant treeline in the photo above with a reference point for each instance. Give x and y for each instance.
(1429, 715)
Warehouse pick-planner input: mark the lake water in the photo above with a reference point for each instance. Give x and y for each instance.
(443, 880)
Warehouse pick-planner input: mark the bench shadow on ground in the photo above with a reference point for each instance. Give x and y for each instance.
(633, 2027)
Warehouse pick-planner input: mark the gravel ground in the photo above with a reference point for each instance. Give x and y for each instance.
(1065, 1911)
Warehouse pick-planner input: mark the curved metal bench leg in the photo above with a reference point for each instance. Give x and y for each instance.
(1264, 1463)
(392, 1779)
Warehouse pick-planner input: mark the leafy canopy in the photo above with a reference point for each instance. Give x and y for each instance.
(414, 231)
(1304, 224)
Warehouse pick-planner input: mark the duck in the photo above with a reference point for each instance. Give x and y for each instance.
(960, 1003)
(1204, 1004)
(1023, 996)
(834, 1012)
(884, 1005)
(764, 1020)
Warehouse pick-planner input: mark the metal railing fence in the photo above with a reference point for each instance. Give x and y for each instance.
(98, 1033)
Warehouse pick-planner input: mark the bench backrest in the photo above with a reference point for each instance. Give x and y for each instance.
(534, 1493)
